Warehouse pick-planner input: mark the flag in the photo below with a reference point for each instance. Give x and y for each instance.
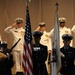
(56, 58)
(27, 53)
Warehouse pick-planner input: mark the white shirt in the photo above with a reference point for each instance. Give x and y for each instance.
(17, 33)
(62, 31)
(73, 29)
(45, 40)
(73, 32)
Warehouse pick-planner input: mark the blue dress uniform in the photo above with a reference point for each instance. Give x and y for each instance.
(6, 61)
(39, 57)
(45, 40)
(68, 67)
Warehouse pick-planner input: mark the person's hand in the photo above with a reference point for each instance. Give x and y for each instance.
(14, 25)
(38, 28)
(50, 51)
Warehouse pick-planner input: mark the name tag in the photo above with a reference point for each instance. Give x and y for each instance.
(36, 48)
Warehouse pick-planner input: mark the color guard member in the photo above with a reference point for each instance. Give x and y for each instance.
(67, 62)
(39, 55)
(45, 40)
(6, 60)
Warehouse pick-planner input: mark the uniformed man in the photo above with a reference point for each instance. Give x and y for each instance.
(45, 40)
(67, 62)
(62, 30)
(6, 60)
(18, 33)
(39, 55)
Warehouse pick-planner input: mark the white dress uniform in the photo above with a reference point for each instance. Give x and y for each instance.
(62, 31)
(73, 28)
(18, 50)
(45, 40)
(73, 32)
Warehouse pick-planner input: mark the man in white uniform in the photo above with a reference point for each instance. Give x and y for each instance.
(45, 40)
(73, 33)
(62, 30)
(18, 33)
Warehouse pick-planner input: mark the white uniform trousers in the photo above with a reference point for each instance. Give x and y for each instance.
(18, 60)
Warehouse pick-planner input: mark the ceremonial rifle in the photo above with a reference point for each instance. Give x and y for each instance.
(10, 50)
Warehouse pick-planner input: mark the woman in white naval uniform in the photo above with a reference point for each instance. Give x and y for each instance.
(62, 30)
(45, 40)
(17, 32)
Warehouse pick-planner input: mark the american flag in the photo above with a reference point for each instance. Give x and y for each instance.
(27, 53)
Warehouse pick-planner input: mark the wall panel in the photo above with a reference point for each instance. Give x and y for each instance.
(40, 10)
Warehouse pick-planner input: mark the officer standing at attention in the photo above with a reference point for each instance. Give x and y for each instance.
(73, 33)
(62, 30)
(45, 40)
(39, 55)
(18, 33)
(67, 62)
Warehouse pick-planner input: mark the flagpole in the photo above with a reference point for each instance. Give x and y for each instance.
(55, 45)
(27, 52)
(27, 2)
(56, 6)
